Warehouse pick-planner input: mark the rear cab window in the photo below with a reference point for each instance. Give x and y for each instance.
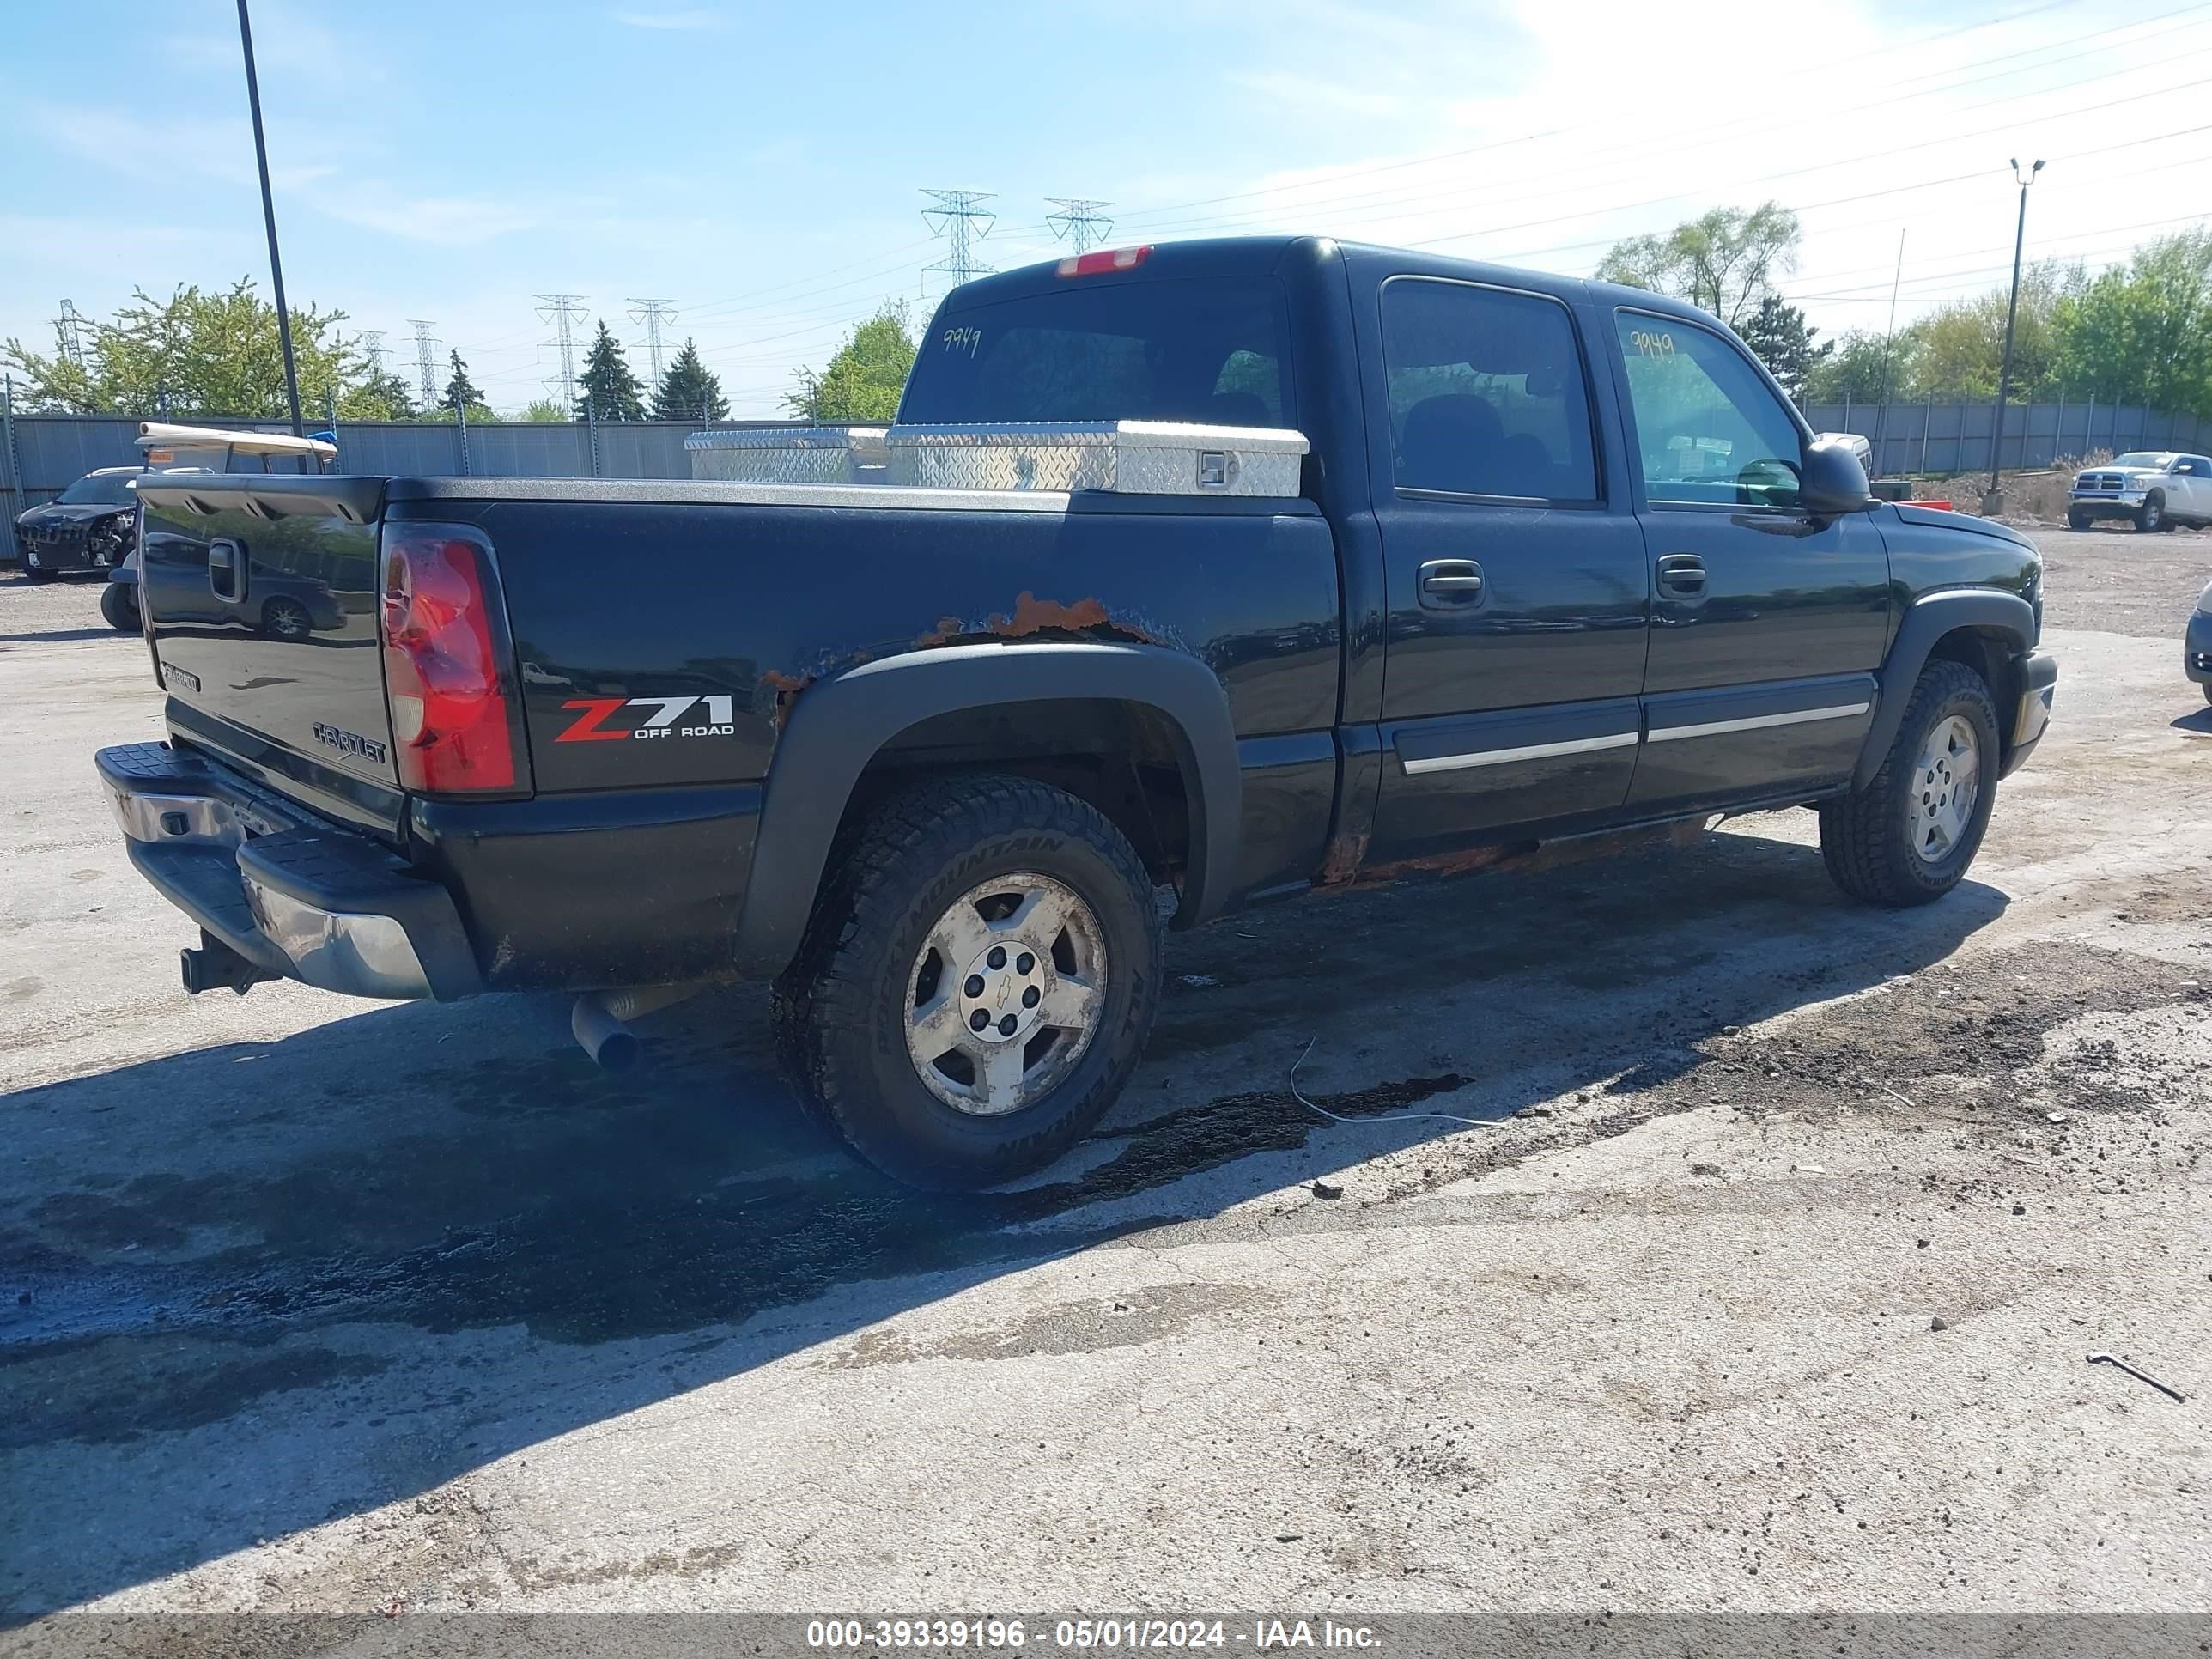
(1488, 396)
(1213, 351)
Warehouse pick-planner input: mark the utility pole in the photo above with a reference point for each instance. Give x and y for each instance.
(563, 311)
(268, 218)
(954, 218)
(66, 326)
(1078, 223)
(426, 360)
(1995, 503)
(1888, 339)
(653, 314)
(372, 346)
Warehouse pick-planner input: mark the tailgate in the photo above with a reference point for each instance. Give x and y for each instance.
(260, 596)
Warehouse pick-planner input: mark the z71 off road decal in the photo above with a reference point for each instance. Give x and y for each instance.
(716, 720)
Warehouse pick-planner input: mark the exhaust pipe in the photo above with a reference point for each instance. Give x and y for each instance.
(600, 1020)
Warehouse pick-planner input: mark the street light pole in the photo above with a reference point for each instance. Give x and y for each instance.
(2012, 311)
(268, 218)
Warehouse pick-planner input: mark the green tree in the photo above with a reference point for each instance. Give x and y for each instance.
(1780, 337)
(1957, 350)
(208, 354)
(543, 410)
(610, 388)
(2142, 333)
(1862, 367)
(688, 392)
(864, 378)
(462, 391)
(1725, 260)
(379, 395)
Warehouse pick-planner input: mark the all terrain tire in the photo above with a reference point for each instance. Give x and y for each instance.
(977, 981)
(1908, 836)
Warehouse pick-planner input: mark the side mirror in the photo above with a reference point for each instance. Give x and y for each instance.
(1832, 481)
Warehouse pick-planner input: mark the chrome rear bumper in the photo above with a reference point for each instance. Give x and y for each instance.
(296, 898)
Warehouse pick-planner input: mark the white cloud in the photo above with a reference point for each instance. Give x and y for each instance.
(174, 147)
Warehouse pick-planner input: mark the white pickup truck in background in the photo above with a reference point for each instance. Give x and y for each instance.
(2156, 487)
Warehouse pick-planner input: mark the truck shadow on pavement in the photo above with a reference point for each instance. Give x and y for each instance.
(423, 1237)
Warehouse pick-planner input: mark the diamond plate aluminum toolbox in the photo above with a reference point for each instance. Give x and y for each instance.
(795, 454)
(1129, 458)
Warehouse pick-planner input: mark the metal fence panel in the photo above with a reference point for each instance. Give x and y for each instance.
(57, 450)
(1955, 437)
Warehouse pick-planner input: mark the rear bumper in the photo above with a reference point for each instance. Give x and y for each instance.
(291, 894)
(2038, 685)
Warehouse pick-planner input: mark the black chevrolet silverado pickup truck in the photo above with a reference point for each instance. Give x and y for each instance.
(1561, 563)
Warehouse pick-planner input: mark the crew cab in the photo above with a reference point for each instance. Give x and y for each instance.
(1553, 565)
(2156, 487)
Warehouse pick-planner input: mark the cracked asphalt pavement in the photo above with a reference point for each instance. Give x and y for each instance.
(1762, 1274)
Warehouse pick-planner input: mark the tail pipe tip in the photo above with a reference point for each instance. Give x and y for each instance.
(600, 1021)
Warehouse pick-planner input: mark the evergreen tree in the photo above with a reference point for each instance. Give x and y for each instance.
(609, 388)
(1780, 337)
(688, 393)
(379, 395)
(462, 391)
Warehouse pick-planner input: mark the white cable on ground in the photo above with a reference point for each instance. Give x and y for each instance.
(1393, 1117)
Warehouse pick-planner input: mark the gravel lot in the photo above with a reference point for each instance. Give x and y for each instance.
(1761, 1279)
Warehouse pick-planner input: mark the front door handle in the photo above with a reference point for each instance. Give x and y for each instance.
(1448, 584)
(1682, 576)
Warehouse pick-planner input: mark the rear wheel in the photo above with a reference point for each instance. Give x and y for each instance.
(977, 982)
(118, 603)
(2151, 515)
(1909, 835)
(286, 619)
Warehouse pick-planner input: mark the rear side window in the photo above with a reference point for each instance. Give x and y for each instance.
(1487, 393)
(1208, 350)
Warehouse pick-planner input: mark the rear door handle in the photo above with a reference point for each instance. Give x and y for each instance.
(1683, 575)
(1448, 584)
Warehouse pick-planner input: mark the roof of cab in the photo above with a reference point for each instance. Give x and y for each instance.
(1236, 256)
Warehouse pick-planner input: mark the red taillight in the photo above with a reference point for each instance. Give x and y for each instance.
(1106, 259)
(451, 727)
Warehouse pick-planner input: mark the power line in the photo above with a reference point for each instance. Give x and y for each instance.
(953, 218)
(653, 314)
(1078, 223)
(563, 311)
(426, 360)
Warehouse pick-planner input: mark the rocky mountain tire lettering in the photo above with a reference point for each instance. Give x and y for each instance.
(590, 726)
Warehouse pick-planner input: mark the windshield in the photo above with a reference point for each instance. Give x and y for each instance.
(1210, 350)
(2160, 458)
(102, 489)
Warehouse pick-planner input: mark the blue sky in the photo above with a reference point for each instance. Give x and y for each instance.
(760, 167)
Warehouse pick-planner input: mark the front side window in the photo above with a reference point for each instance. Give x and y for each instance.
(1708, 429)
(1487, 395)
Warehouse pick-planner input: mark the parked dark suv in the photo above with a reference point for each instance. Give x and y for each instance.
(90, 527)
